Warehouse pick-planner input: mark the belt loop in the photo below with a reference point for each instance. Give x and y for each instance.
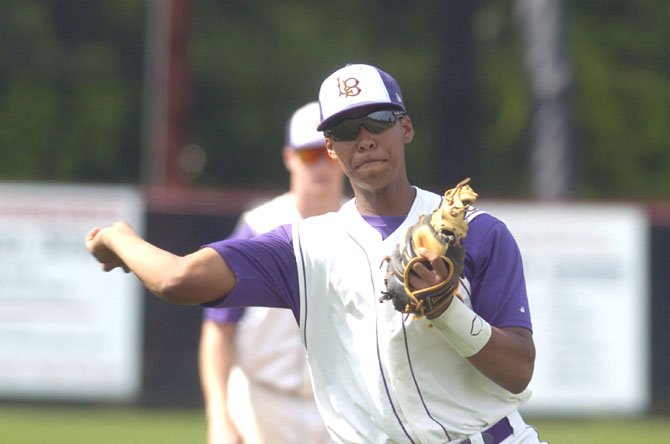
(517, 422)
(475, 438)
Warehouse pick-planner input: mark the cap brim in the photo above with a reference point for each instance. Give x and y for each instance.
(341, 115)
(309, 146)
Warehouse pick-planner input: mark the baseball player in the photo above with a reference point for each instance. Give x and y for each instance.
(457, 374)
(272, 397)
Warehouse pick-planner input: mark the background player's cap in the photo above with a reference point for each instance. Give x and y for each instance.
(301, 130)
(357, 86)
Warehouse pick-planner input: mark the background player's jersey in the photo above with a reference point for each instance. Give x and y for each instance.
(267, 340)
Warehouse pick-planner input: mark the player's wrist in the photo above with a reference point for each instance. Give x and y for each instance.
(439, 308)
(462, 328)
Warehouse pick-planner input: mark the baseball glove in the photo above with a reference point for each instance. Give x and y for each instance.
(441, 231)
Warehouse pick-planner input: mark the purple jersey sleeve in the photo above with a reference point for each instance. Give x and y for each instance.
(494, 268)
(230, 315)
(266, 270)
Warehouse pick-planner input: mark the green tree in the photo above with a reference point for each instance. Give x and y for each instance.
(70, 82)
(71, 87)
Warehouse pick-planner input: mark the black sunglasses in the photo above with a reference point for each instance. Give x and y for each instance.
(376, 122)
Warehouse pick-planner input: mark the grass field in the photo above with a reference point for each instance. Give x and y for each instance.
(96, 425)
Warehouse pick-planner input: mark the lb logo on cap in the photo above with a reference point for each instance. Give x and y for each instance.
(348, 87)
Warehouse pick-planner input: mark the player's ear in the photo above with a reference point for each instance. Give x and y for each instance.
(407, 129)
(329, 148)
(286, 156)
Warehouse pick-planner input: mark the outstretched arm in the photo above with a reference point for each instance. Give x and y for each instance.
(196, 278)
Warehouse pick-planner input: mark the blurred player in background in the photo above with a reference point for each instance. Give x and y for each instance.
(379, 376)
(272, 397)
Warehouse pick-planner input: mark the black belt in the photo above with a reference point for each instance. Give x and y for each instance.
(498, 432)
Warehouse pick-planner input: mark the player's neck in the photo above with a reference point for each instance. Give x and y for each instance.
(389, 201)
(313, 205)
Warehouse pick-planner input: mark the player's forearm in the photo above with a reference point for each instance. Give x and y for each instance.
(216, 356)
(507, 358)
(152, 265)
(197, 278)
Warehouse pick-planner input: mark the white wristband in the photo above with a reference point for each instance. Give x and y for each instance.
(462, 328)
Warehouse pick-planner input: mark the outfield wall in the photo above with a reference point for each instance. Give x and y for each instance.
(600, 295)
(627, 375)
(589, 374)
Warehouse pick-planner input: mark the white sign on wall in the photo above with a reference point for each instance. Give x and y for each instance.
(67, 330)
(586, 270)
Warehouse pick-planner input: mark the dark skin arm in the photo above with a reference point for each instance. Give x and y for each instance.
(509, 356)
(193, 279)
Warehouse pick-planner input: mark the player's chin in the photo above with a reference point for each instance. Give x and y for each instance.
(322, 180)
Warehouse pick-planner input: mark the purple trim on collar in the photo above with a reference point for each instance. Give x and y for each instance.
(385, 225)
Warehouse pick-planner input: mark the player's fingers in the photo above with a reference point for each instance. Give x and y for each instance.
(423, 279)
(423, 276)
(420, 269)
(92, 233)
(438, 265)
(91, 240)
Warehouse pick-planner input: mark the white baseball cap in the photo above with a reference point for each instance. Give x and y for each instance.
(301, 129)
(357, 86)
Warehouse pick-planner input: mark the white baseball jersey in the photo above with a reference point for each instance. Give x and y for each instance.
(398, 381)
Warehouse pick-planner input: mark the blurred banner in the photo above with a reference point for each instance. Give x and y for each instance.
(587, 272)
(70, 332)
(67, 330)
